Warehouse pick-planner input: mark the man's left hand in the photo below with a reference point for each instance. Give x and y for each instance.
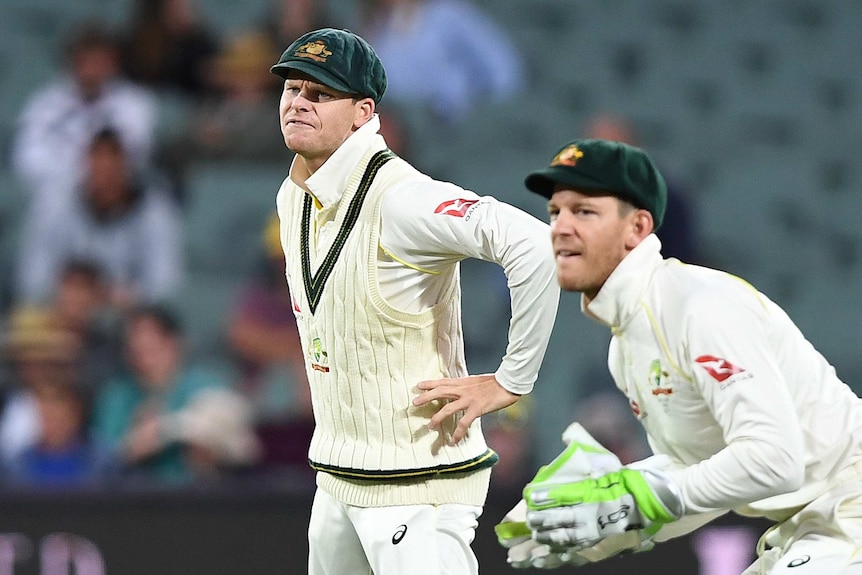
(473, 396)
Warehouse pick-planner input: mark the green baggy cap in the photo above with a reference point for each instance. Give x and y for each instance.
(604, 165)
(338, 59)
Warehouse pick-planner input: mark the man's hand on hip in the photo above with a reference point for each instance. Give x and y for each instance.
(472, 396)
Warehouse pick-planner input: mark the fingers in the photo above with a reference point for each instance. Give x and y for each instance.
(471, 396)
(450, 410)
(432, 384)
(531, 554)
(461, 429)
(433, 395)
(564, 527)
(436, 389)
(564, 538)
(555, 517)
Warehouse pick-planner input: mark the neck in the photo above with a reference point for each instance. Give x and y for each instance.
(302, 170)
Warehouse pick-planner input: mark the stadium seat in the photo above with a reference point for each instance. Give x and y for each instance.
(228, 206)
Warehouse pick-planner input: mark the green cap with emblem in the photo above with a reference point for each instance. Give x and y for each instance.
(604, 165)
(338, 59)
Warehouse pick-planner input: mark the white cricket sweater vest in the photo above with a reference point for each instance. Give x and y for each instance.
(364, 358)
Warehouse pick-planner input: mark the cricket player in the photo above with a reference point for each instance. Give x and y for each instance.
(373, 249)
(741, 411)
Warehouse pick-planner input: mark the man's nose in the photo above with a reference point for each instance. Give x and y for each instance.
(561, 224)
(299, 102)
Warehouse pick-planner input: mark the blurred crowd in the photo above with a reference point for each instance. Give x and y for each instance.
(100, 381)
(100, 384)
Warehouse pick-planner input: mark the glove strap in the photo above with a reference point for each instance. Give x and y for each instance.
(511, 530)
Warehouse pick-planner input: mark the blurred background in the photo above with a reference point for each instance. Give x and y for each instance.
(153, 410)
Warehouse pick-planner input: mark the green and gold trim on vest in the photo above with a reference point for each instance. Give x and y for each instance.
(314, 283)
(487, 459)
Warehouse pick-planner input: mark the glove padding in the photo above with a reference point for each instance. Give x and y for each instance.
(583, 458)
(525, 552)
(565, 514)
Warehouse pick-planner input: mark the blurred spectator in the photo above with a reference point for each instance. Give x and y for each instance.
(216, 431)
(135, 413)
(262, 333)
(235, 121)
(168, 46)
(264, 340)
(130, 228)
(39, 350)
(59, 121)
(81, 305)
(286, 20)
(447, 55)
(62, 455)
(678, 234)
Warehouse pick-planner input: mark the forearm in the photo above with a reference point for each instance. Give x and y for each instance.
(534, 292)
(742, 472)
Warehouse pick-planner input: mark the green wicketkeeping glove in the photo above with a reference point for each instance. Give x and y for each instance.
(583, 457)
(522, 551)
(563, 513)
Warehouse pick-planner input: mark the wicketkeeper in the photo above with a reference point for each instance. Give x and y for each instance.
(740, 410)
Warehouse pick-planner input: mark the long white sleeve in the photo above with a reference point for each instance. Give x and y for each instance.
(429, 226)
(725, 384)
(750, 400)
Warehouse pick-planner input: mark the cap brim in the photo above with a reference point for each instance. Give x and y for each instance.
(543, 181)
(320, 74)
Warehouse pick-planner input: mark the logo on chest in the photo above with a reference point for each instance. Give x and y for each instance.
(658, 386)
(318, 357)
(658, 380)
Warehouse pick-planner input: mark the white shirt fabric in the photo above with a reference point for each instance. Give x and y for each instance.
(725, 383)
(419, 246)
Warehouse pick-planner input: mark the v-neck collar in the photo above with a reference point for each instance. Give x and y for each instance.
(314, 283)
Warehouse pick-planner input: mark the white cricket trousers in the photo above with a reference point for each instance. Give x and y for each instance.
(397, 540)
(824, 538)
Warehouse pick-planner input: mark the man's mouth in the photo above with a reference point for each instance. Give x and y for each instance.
(295, 122)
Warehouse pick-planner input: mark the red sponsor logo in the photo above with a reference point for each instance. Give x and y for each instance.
(457, 207)
(719, 368)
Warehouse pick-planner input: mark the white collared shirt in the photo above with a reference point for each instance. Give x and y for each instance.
(428, 226)
(725, 383)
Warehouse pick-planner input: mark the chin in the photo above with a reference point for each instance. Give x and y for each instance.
(567, 284)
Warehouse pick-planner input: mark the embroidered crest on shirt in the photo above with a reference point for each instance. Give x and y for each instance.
(318, 356)
(457, 207)
(656, 373)
(719, 368)
(316, 50)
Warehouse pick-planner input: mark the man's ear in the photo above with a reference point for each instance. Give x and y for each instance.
(364, 111)
(642, 225)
